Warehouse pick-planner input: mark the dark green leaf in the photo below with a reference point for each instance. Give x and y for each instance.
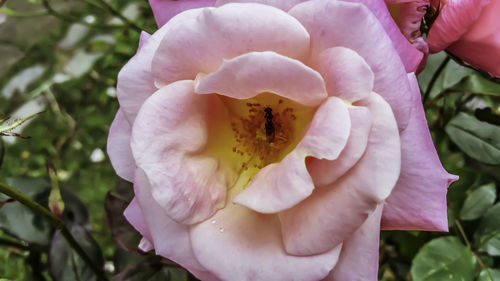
(476, 83)
(64, 262)
(145, 271)
(487, 235)
(123, 233)
(478, 202)
(75, 210)
(484, 276)
(444, 258)
(479, 140)
(19, 220)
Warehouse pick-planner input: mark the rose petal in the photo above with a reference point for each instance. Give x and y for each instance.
(250, 74)
(135, 217)
(171, 240)
(324, 172)
(346, 74)
(201, 44)
(143, 38)
(169, 131)
(410, 56)
(332, 213)
(164, 10)
(282, 185)
(455, 18)
(239, 244)
(359, 257)
(280, 4)
(480, 46)
(418, 201)
(368, 38)
(135, 82)
(118, 147)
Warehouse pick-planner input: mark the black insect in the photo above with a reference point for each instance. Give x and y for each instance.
(269, 124)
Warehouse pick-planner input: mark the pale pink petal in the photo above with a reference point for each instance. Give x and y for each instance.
(135, 217)
(239, 244)
(368, 38)
(455, 18)
(280, 186)
(145, 245)
(168, 133)
(164, 10)
(324, 172)
(135, 81)
(201, 44)
(346, 74)
(359, 256)
(480, 46)
(332, 213)
(171, 240)
(418, 201)
(257, 72)
(143, 38)
(409, 54)
(118, 147)
(284, 5)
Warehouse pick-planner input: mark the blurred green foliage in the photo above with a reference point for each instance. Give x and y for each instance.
(63, 57)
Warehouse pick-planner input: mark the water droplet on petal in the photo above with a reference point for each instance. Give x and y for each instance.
(221, 229)
(213, 221)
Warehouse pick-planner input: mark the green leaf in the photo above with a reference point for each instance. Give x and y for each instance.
(479, 140)
(19, 220)
(65, 264)
(487, 235)
(478, 202)
(444, 258)
(2, 152)
(476, 83)
(484, 276)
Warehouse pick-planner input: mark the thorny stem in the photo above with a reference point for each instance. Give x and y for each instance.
(15, 244)
(56, 222)
(466, 240)
(434, 78)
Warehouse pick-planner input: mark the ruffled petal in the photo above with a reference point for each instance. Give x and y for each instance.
(409, 55)
(239, 244)
(455, 18)
(282, 185)
(332, 213)
(359, 257)
(118, 147)
(250, 74)
(480, 46)
(169, 132)
(135, 217)
(164, 10)
(418, 201)
(368, 38)
(324, 172)
(284, 5)
(135, 81)
(201, 44)
(346, 74)
(171, 240)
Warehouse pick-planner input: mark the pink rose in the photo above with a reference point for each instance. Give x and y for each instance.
(272, 140)
(469, 29)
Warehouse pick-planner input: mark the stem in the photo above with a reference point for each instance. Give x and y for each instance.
(56, 222)
(462, 233)
(71, 19)
(116, 13)
(434, 78)
(15, 244)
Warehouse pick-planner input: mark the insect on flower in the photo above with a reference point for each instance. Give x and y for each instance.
(269, 124)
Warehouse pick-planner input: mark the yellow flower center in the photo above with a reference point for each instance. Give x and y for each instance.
(247, 135)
